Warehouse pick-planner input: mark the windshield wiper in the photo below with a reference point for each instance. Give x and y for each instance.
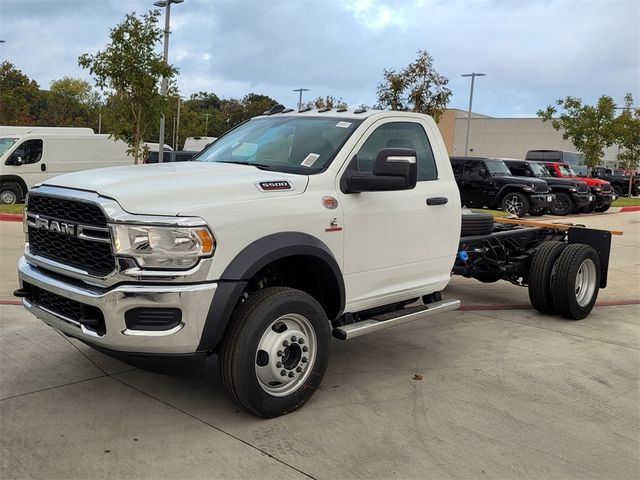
(261, 166)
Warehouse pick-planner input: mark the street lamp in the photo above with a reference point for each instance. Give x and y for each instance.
(300, 99)
(473, 77)
(163, 88)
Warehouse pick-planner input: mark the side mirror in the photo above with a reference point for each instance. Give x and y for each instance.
(14, 159)
(394, 169)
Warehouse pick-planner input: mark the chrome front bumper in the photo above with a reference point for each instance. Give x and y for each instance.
(194, 301)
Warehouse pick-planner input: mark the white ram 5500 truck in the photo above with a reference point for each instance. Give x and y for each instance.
(290, 227)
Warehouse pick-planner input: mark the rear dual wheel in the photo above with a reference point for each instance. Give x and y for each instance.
(564, 279)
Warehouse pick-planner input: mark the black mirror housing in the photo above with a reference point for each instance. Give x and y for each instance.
(394, 169)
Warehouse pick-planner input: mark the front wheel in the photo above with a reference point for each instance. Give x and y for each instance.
(274, 356)
(515, 203)
(618, 190)
(10, 194)
(563, 204)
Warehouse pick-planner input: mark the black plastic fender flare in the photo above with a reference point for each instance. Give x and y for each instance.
(250, 261)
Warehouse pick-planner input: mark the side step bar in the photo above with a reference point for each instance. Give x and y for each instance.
(353, 330)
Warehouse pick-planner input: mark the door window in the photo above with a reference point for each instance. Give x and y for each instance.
(474, 170)
(399, 135)
(30, 151)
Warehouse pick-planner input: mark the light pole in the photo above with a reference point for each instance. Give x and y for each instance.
(473, 77)
(300, 99)
(163, 89)
(206, 123)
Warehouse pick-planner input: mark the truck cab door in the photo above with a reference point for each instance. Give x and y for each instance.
(399, 244)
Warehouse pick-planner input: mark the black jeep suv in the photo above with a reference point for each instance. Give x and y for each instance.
(487, 182)
(571, 195)
(619, 182)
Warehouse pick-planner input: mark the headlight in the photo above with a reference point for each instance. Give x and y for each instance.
(573, 189)
(596, 188)
(162, 247)
(529, 188)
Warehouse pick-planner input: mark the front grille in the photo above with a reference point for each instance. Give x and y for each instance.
(87, 315)
(93, 257)
(583, 188)
(541, 187)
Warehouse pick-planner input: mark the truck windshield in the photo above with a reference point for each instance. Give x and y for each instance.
(497, 167)
(539, 170)
(6, 143)
(292, 144)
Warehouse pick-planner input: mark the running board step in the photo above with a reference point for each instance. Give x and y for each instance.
(373, 324)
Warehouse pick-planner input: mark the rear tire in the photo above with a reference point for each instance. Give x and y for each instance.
(276, 351)
(515, 203)
(576, 281)
(540, 271)
(563, 205)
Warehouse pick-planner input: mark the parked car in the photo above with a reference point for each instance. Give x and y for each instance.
(488, 182)
(173, 156)
(570, 195)
(618, 180)
(31, 158)
(602, 190)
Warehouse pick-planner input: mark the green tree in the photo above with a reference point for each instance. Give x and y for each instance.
(328, 101)
(129, 71)
(627, 136)
(72, 102)
(19, 96)
(589, 127)
(418, 88)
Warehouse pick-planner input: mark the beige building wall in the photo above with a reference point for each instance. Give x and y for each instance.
(504, 137)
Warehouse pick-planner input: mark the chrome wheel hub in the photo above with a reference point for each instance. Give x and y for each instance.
(513, 205)
(8, 197)
(585, 282)
(285, 355)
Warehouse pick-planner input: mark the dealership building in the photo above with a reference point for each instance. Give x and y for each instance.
(504, 137)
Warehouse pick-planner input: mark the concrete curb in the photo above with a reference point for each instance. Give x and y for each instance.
(10, 217)
(631, 208)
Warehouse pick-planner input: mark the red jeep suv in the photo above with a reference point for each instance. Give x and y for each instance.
(601, 189)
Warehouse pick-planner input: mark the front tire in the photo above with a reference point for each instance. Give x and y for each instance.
(515, 203)
(563, 205)
(575, 282)
(274, 356)
(10, 194)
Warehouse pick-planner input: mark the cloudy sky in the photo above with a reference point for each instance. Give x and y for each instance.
(533, 51)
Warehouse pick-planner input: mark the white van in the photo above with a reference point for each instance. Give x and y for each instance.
(195, 144)
(28, 159)
(11, 130)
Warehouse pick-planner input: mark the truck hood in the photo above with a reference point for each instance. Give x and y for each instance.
(569, 182)
(171, 188)
(512, 179)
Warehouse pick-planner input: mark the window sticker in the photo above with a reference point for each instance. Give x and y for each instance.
(310, 160)
(343, 124)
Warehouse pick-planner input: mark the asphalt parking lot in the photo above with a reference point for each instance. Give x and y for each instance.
(501, 392)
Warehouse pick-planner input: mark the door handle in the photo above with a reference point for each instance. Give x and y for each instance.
(437, 200)
(43, 167)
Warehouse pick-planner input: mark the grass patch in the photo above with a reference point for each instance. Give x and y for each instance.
(14, 208)
(495, 213)
(626, 202)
